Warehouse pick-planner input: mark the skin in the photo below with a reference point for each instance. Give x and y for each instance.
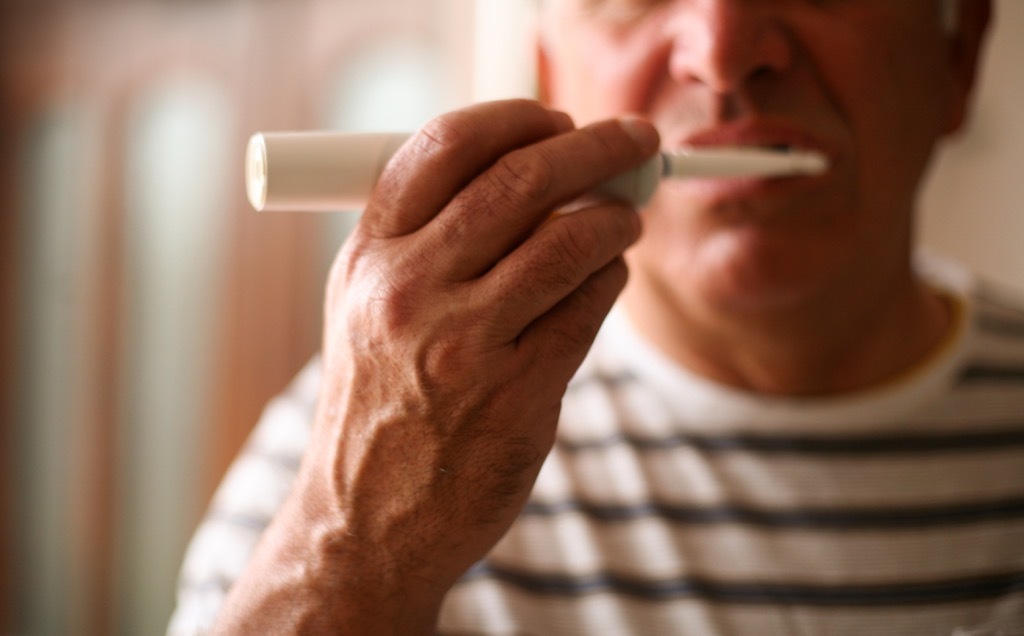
(800, 287)
(460, 308)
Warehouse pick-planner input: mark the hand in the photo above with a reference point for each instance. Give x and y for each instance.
(455, 316)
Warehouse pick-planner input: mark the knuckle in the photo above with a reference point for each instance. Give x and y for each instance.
(561, 261)
(442, 135)
(390, 309)
(439, 360)
(386, 300)
(347, 269)
(456, 228)
(523, 177)
(552, 273)
(575, 244)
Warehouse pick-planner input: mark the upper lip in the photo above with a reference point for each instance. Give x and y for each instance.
(766, 134)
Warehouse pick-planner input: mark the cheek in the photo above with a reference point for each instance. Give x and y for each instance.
(599, 76)
(893, 101)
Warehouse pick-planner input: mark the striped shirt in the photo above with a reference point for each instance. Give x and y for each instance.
(674, 505)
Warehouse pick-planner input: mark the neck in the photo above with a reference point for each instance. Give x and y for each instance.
(821, 347)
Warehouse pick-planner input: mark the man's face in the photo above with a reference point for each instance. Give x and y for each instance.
(870, 83)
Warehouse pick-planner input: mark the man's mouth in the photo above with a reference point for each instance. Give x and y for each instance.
(777, 137)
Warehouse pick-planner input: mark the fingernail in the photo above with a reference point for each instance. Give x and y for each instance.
(641, 131)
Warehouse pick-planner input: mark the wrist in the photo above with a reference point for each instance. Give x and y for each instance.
(310, 574)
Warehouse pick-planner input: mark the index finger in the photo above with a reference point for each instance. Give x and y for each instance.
(447, 154)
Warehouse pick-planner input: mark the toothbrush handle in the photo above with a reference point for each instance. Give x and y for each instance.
(316, 171)
(331, 171)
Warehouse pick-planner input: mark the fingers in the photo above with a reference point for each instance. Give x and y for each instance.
(505, 204)
(555, 262)
(561, 338)
(446, 154)
(462, 217)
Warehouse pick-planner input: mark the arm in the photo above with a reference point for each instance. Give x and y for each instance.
(247, 499)
(455, 316)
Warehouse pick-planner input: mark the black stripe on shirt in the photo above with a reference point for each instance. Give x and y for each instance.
(846, 445)
(1003, 302)
(1001, 326)
(850, 519)
(905, 593)
(991, 373)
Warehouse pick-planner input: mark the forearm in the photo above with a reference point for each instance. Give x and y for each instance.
(309, 575)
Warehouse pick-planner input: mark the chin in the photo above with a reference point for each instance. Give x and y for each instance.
(743, 269)
(770, 252)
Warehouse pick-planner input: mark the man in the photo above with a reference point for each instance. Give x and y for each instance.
(783, 428)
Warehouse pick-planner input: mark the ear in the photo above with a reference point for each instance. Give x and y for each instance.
(965, 47)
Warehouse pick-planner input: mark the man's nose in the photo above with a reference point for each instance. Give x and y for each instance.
(724, 44)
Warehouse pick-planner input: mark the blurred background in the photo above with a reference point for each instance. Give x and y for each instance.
(148, 313)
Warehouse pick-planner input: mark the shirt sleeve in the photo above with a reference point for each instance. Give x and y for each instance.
(251, 493)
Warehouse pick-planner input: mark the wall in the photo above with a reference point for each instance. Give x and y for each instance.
(973, 208)
(148, 313)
